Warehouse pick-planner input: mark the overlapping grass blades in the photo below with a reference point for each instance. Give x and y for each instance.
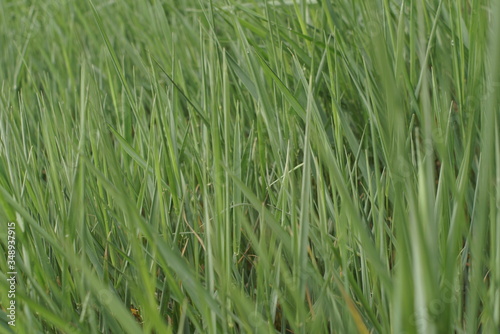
(257, 166)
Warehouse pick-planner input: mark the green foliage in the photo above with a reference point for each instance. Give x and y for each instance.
(255, 166)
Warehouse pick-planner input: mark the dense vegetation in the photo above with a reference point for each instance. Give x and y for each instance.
(225, 166)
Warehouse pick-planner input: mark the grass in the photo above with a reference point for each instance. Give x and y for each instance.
(258, 166)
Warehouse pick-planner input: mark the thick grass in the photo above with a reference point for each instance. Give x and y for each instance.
(251, 166)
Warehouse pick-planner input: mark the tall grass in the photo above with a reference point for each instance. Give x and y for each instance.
(251, 166)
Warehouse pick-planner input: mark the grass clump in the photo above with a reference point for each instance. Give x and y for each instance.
(257, 166)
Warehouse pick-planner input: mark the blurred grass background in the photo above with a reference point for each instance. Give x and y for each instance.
(251, 166)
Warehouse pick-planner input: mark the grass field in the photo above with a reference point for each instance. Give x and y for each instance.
(224, 166)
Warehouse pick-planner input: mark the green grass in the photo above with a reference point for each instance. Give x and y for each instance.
(258, 166)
